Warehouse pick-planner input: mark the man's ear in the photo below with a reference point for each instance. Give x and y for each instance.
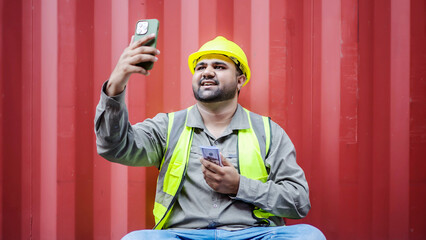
(241, 80)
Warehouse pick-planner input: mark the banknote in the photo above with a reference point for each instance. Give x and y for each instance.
(211, 153)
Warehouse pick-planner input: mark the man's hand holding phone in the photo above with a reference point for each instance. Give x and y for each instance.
(139, 51)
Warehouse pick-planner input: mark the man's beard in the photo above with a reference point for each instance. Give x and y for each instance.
(218, 95)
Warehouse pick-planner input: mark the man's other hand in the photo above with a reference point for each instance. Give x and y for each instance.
(224, 179)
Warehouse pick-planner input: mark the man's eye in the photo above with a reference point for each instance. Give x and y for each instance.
(199, 68)
(219, 67)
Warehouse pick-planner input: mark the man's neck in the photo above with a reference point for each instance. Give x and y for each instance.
(217, 116)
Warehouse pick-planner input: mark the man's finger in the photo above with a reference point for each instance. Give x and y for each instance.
(142, 41)
(212, 167)
(144, 50)
(142, 58)
(136, 69)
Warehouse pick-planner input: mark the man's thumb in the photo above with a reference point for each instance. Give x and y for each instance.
(225, 161)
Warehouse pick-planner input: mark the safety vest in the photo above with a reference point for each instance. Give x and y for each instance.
(253, 147)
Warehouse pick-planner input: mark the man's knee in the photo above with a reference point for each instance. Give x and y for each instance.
(312, 232)
(149, 234)
(302, 231)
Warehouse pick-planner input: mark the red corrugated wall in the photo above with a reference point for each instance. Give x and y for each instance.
(345, 78)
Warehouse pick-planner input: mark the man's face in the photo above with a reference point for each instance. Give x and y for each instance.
(215, 79)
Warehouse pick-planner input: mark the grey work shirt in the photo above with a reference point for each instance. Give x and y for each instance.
(285, 193)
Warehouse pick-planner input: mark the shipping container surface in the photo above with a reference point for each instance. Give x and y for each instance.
(345, 78)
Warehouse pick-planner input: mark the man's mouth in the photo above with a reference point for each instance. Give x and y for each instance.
(208, 83)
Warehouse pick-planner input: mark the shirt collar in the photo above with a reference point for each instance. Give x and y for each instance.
(239, 120)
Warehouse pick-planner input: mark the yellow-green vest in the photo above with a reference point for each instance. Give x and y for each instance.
(253, 142)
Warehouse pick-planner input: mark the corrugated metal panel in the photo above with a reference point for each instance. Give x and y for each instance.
(345, 78)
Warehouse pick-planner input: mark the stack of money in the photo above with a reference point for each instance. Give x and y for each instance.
(211, 153)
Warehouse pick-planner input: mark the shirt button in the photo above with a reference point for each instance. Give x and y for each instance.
(215, 205)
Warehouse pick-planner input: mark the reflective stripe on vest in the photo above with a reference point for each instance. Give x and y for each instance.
(251, 163)
(174, 165)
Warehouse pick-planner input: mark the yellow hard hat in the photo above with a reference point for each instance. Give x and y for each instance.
(221, 45)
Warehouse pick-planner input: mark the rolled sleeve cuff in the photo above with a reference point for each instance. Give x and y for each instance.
(248, 189)
(114, 101)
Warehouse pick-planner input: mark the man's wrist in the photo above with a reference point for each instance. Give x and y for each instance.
(116, 84)
(119, 98)
(113, 89)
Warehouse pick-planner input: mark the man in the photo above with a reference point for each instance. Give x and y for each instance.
(246, 198)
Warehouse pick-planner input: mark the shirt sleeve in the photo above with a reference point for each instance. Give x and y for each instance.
(142, 144)
(286, 192)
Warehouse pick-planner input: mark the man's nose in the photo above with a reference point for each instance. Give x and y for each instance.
(208, 72)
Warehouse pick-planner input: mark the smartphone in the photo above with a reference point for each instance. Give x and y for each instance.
(143, 28)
